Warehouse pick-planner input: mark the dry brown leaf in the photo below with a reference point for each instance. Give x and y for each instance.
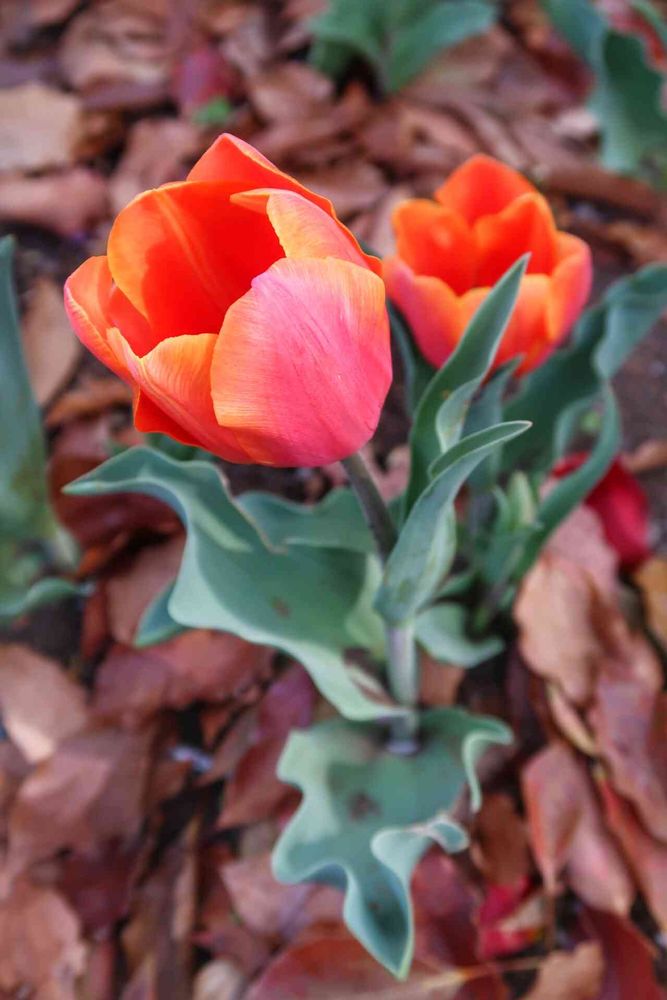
(289, 91)
(500, 845)
(648, 456)
(67, 203)
(131, 589)
(629, 958)
(115, 41)
(131, 684)
(89, 791)
(18, 18)
(42, 954)
(50, 346)
(567, 831)
(39, 703)
(40, 127)
(651, 578)
(90, 397)
(580, 539)
(573, 975)
(555, 612)
(158, 150)
(351, 187)
(220, 979)
(439, 682)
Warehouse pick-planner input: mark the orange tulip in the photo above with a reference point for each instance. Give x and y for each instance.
(242, 312)
(450, 251)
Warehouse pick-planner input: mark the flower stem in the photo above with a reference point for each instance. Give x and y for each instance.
(402, 663)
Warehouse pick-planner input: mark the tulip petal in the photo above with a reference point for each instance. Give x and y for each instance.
(482, 186)
(571, 283)
(527, 332)
(435, 241)
(302, 365)
(304, 230)
(242, 168)
(94, 306)
(431, 308)
(174, 392)
(525, 226)
(183, 253)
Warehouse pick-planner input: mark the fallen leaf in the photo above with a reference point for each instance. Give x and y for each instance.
(67, 203)
(115, 41)
(500, 846)
(42, 952)
(220, 979)
(580, 539)
(132, 588)
(567, 831)
(18, 18)
(56, 127)
(355, 188)
(511, 918)
(198, 665)
(41, 706)
(202, 74)
(573, 975)
(98, 884)
(646, 856)
(50, 346)
(158, 150)
(88, 398)
(648, 456)
(651, 578)
(289, 91)
(629, 959)
(88, 792)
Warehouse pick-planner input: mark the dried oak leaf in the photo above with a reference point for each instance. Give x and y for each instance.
(573, 975)
(629, 959)
(130, 589)
(67, 203)
(651, 578)
(158, 150)
(88, 792)
(40, 705)
(40, 128)
(42, 953)
(50, 346)
(567, 831)
(289, 91)
(220, 979)
(88, 398)
(197, 665)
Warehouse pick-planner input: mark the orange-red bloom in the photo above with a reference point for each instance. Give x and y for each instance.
(243, 313)
(450, 251)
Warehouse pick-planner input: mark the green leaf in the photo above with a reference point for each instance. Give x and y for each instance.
(48, 590)
(443, 632)
(25, 511)
(569, 492)
(571, 378)
(422, 555)
(485, 411)
(334, 522)
(156, 624)
(398, 38)
(416, 370)
(368, 815)
(627, 94)
(468, 365)
(314, 602)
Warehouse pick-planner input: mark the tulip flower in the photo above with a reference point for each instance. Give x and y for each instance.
(620, 503)
(242, 312)
(452, 250)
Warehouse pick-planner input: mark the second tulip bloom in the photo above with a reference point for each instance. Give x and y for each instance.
(450, 251)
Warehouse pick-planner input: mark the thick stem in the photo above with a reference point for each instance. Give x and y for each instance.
(402, 663)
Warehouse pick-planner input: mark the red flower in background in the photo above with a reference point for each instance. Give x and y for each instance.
(452, 250)
(621, 504)
(242, 312)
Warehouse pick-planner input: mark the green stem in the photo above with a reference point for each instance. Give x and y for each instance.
(402, 662)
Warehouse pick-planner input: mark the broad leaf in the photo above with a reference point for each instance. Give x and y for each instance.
(422, 555)
(368, 815)
(442, 631)
(468, 365)
(312, 601)
(334, 522)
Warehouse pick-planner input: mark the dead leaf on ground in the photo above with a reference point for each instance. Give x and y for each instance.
(42, 952)
(132, 588)
(56, 127)
(500, 844)
(629, 959)
(89, 791)
(651, 578)
(289, 91)
(648, 456)
(352, 188)
(567, 831)
(580, 539)
(68, 202)
(115, 41)
(40, 705)
(198, 665)
(99, 884)
(158, 150)
(17, 18)
(220, 979)
(50, 346)
(646, 856)
(88, 398)
(573, 975)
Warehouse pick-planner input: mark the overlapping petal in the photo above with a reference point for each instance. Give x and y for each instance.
(482, 186)
(571, 283)
(435, 241)
(525, 226)
(302, 365)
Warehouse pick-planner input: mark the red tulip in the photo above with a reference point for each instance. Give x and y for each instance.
(620, 503)
(242, 312)
(450, 251)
